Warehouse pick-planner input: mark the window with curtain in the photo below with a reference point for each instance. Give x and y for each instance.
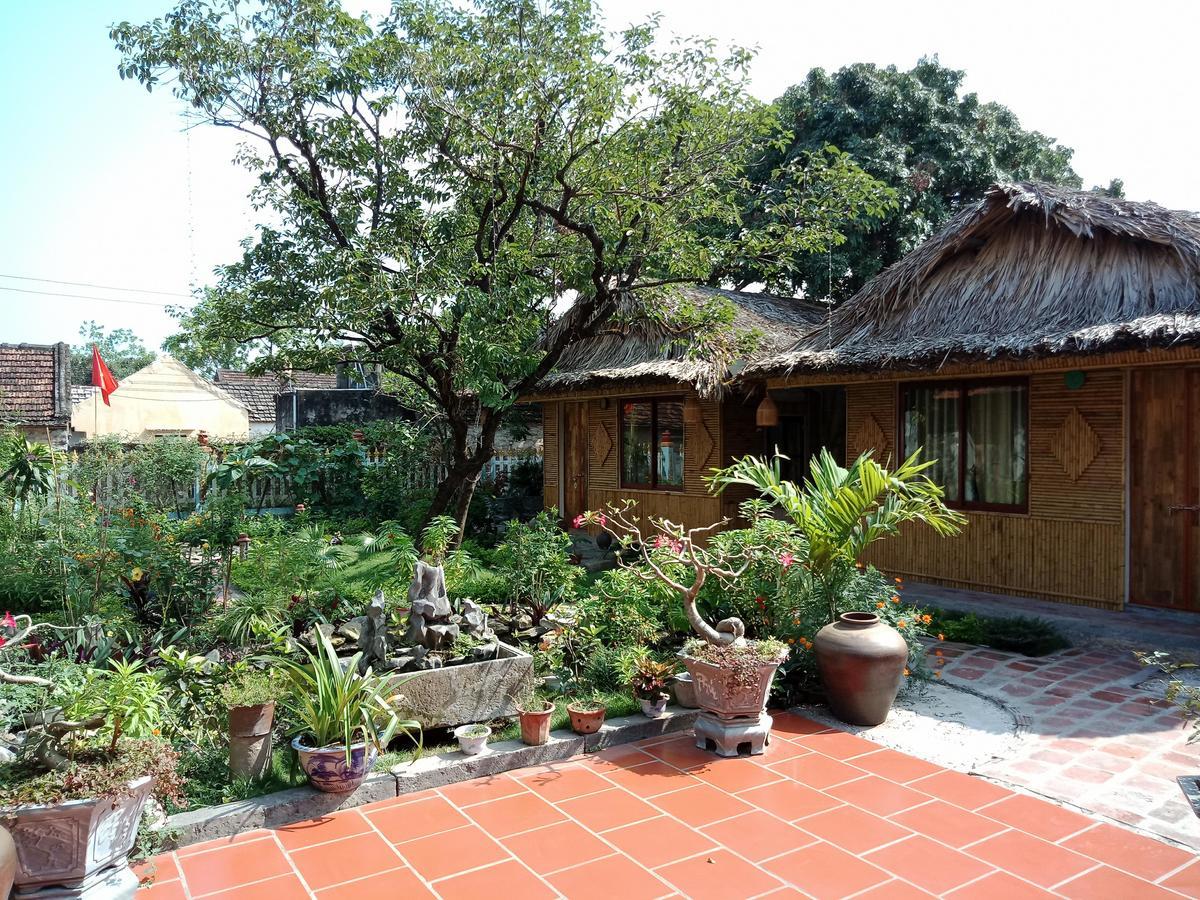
(652, 444)
(977, 432)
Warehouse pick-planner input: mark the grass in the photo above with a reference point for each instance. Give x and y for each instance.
(207, 783)
(1018, 634)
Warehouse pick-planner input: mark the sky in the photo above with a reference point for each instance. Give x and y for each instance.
(104, 186)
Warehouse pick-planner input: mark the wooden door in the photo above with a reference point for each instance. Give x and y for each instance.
(1164, 469)
(575, 458)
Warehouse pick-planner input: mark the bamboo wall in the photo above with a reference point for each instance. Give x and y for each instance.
(1069, 546)
(551, 455)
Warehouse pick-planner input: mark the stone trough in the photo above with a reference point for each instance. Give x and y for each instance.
(456, 695)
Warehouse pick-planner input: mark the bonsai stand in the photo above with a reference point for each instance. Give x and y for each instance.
(727, 736)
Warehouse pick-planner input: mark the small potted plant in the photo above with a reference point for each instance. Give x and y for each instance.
(343, 718)
(249, 695)
(587, 714)
(649, 682)
(535, 713)
(472, 739)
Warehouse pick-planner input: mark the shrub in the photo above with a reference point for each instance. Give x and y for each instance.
(534, 559)
(1018, 634)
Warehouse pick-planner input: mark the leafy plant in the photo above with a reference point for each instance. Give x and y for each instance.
(332, 704)
(247, 686)
(27, 469)
(127, 696)
(94, 774)
(1019, 634)
(651, 678)
(1184, 697)
(534, 559)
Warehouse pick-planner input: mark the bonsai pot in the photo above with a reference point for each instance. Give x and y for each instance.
(654, 707)
(250, 739)
(535, 724)
(861, 660)
(585, 721)
(79, 848)
(685, 691)
(719, 692)
(472, 739)
(327, 769)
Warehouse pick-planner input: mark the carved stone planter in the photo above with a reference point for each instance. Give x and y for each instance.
(473, 692)
(77, 849)
(717, 692)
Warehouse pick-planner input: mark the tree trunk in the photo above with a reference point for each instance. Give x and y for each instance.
(455, 492)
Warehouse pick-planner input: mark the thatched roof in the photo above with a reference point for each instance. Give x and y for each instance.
(632, 348)
(1030, 270)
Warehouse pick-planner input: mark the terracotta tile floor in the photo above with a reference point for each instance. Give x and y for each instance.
(658, 820)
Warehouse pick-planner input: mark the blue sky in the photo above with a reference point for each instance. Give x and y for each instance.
(102, 186)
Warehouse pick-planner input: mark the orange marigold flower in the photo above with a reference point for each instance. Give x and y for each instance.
(880, 605)
(938, 651)
(937, 674)
(926, 618)
(941, 637)
(899, 581)
(795, 621)
(896, 600)
(900, 623)
(906, 672)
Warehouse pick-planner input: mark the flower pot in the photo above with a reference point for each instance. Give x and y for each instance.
(328, 770)
(685, 691)
(469, 743)
(861, 660)
(719, 692)
(79, 848)
(654, 707)
(585, 721)
(250, 743)
(535, 725)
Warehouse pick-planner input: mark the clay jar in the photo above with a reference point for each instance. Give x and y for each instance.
(861, 661)
(250, 739)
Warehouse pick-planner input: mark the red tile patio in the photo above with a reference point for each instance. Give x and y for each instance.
(823, 815)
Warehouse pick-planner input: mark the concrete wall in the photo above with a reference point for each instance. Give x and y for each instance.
(295, 409)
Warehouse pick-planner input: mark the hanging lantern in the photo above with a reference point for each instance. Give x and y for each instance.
(665, 440)
(767, 414)
(692, 413)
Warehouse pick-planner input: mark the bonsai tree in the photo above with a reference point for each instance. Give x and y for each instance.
(839, 511)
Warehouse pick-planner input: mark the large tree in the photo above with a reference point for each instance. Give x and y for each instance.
(122, 350)
(913, 130)
(437, 185)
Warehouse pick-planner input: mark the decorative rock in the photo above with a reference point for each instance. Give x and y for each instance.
(373, 639)
(353, 629)
(310, 638)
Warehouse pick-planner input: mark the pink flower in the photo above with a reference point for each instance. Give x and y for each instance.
(9, 621)
(603, 520)
(786, 559)
(577, 522)
(659, 541)
(3, 641)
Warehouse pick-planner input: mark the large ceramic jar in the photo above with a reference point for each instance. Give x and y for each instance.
(328, 770)
(861, 660)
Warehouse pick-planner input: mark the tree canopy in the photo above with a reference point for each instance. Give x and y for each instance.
(436, 185)
(122, 350)
(915, 131)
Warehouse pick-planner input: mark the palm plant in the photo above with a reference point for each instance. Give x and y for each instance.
(842, 510)
(332, 704)
(28, 468)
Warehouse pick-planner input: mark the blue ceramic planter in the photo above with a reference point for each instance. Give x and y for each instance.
(327, 769)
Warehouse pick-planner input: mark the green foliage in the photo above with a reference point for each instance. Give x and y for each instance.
(441, 177)
(935, 148)
(246, 686)
(95, 774)
(650, 678)
(1018, 634)
(26, 470)
(190, 684)
(126, 694)
(122, 350)
(333, 705)
(534, 559)
(625, 610)
(1184, 697)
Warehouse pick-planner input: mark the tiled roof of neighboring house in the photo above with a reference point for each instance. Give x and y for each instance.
(34, 388)
(258, 392)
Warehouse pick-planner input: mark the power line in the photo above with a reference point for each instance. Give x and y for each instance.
(103, 287)
(156, 304)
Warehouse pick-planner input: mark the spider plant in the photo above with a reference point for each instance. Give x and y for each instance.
(331, 704)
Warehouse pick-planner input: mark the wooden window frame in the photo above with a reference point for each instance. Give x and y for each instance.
(962, 385)
(653, 485)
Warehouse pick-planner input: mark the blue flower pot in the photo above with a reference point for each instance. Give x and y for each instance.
(327, 769)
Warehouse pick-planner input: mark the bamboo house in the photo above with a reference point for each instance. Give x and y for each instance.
(1043, 348)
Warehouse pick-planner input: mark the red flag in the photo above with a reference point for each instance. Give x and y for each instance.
(101, 377)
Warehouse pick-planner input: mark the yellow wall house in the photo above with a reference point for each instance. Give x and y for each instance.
(164, 398)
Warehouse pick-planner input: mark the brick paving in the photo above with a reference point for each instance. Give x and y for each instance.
(1090, 737)
(822, 814)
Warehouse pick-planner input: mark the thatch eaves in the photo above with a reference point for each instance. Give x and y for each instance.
(631, 348)
(1030, 270)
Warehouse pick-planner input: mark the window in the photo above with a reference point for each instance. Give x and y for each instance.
(652, 444)
(977, 431)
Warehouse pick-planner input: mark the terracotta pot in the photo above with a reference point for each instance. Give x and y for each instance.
(251, 721)
(535, 725)
(328, 770)
(76, 848)
(861, 660)
(685, 691)
(718, 692)
(586, 721)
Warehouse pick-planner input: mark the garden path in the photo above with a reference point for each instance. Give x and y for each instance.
(822, 814)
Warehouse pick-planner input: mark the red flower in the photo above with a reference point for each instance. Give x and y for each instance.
(3, 642)
(786, 559)
(9, 621)
(577, 522)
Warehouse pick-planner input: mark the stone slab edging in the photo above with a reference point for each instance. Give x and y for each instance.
(432, 771)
